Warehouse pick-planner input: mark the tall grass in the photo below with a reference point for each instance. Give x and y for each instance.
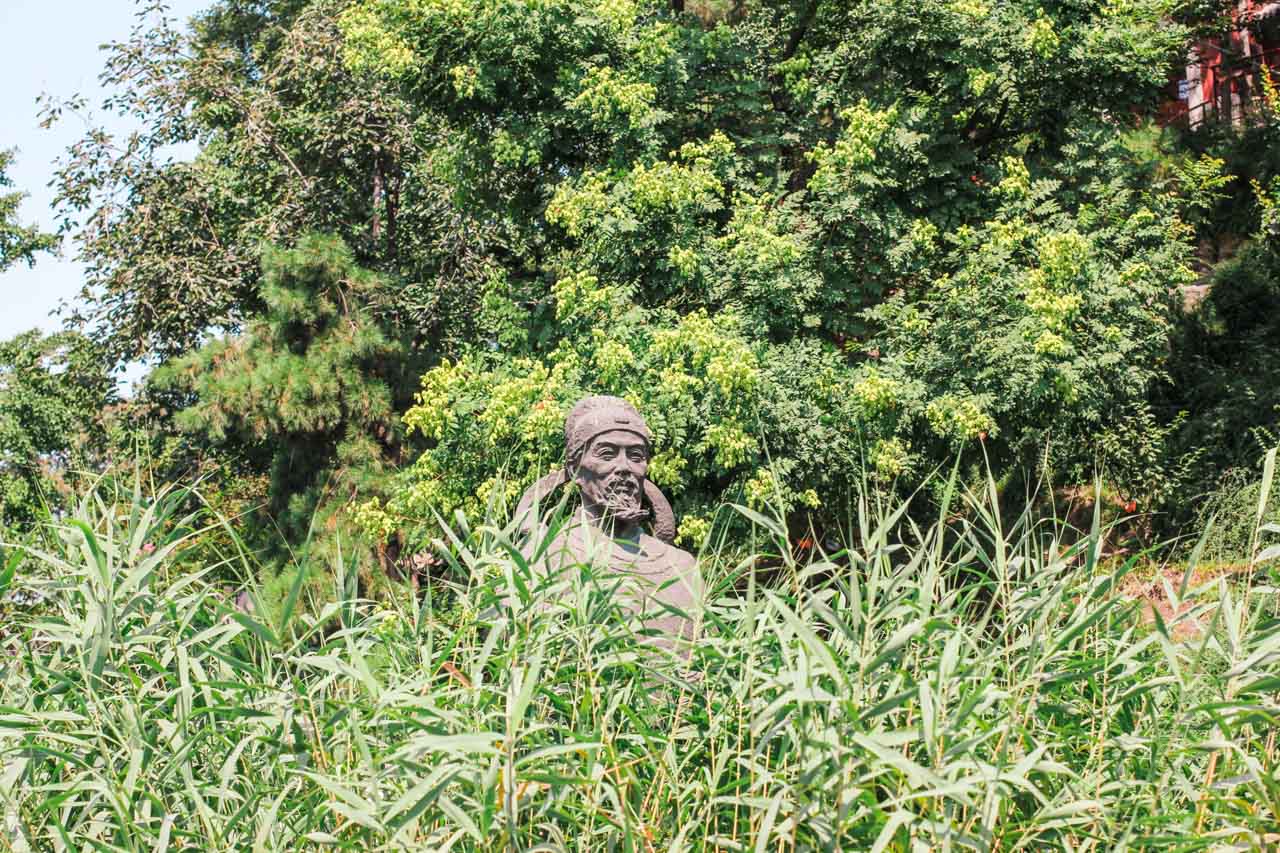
(978, 684)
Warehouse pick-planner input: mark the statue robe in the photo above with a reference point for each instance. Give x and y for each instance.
(649, 574)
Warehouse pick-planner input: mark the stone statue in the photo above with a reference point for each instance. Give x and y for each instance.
(607, 450)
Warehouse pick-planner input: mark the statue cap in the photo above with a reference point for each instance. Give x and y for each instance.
(594, 416)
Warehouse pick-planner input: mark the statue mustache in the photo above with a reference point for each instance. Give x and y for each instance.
(621, 497)
(622, 481)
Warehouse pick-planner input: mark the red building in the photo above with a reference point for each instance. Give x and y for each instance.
(1224, 75)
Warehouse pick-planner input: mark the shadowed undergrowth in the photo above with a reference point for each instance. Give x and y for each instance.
(973, 686)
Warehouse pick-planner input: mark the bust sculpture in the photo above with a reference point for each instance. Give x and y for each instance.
(608, 446)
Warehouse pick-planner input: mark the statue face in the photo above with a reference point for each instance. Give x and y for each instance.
(611, 476)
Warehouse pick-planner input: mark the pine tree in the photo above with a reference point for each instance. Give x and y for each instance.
(311, 385)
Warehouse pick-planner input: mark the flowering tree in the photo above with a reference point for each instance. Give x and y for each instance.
(806, 239)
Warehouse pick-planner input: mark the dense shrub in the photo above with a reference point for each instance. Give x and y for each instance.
(1041, 328)
(1225, 383)
(1047, 326)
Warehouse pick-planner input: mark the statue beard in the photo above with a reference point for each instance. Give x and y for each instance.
(621, 500)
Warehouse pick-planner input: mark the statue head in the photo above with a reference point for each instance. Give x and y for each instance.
(607, 447)
(607, 450)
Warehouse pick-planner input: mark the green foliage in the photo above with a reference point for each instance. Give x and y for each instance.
(1248, 157)
(1052, 327)
(1236, 493)
(18, 243)
(311, 385)
(1216, 411)
(53, 396)
(969, 684)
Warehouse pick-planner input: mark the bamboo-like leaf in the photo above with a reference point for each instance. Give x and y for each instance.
(1264, 494)
(780, 535)
(910, 694)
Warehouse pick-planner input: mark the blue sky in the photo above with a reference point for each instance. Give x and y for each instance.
(52, 46)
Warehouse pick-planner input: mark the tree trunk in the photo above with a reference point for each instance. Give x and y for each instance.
(375, 227)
